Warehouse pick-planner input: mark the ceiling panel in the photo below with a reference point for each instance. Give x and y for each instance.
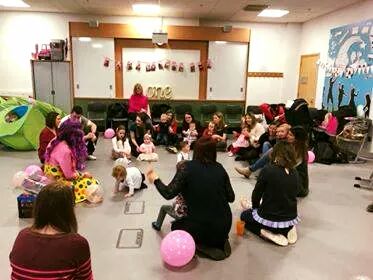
(300, 10)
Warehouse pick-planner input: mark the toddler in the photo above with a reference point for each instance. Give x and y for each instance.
(184, 152)
(282, 131)
(130, 177)
(210, 130)
(177, 210)
(147, 150)
(162, 130)
(121, 146)
(241, 142)
(191, 134)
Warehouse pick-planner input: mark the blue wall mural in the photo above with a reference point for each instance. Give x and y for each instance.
(349, 71)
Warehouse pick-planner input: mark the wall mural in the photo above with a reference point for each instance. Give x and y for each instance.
(349, 70)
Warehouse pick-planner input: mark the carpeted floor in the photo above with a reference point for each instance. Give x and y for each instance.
(335, 235)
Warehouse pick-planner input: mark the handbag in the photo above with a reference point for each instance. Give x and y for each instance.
(45, 53)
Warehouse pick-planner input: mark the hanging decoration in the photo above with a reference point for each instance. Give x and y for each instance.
(129, 65)
(192, 67)
(170, 65)
(106, 62)
(118, 65)
(138, 66)
(181, 67)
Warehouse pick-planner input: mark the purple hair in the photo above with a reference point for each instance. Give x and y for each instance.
(70, 132)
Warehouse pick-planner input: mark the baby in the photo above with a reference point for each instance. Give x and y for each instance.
(191, 134)
(184, 152)
(241, 142)
(162, 130)
(130, 177)
(147, 150)
(210, 130)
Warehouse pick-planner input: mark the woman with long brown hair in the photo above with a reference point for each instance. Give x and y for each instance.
(51, 247)
(220, 135)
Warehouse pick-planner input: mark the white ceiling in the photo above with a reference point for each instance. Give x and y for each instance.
(227, 10)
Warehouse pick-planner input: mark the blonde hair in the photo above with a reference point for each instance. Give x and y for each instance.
(147, 135)
(285, 126)
(138, 85)
(221, 123)
(119, 170)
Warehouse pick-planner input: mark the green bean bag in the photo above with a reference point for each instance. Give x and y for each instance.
(22, 133)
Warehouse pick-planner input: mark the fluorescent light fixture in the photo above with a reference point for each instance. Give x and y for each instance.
(146, 8)
(220, 42)
(14, 4)
(85, 39)
(97, 46)
(273, 13)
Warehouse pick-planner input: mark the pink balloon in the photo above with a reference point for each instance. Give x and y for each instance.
(311, 157)
(177, 248)
(33, 170)
(109, 133)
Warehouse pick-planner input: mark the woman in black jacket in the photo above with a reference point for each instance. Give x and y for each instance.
(207, 191)
(274, 198)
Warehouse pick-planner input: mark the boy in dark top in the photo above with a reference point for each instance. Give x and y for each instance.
(162, 130)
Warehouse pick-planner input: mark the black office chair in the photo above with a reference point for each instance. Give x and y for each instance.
(233, 114)
(96, 112)
(206, 113)
(117, 113)
(180, 111)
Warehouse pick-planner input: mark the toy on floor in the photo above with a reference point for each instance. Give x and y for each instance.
(94, 194)
(311, 157)
(109, 133)
(177, 248)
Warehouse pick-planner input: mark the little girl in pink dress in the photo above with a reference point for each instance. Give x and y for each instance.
(147, 150)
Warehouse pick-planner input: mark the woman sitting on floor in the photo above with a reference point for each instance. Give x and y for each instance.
(51, 248)
(274, 198)
(65, 156)
(52, 121)
(206, 189)
(220, 135)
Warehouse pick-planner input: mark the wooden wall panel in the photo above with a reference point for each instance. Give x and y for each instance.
(189, 33)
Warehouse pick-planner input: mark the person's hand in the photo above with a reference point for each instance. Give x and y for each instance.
(138, 149)
(87, 175)
(152, 176)
(215, 137)
(170, 129)
(235, 133)
(128, 195)
(246, 134)
(143, 110)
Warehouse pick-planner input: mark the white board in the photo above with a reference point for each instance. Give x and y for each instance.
(226, 79)
(91, 77)
(184, 85)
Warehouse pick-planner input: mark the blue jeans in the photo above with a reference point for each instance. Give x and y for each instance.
(266, 147)
(162, 139)
(261, 162)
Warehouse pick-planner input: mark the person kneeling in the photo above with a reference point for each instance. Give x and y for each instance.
(274, 198)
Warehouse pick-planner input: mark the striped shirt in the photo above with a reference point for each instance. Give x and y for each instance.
(40, 256)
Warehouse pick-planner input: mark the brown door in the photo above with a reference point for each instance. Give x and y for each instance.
(308, 78)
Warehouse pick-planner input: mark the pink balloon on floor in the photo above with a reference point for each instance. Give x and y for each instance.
(109, 133)
(311, 157)
(33, 169)
(177, 248)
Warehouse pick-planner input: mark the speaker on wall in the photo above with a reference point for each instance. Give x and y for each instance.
(93, 23)
(227, 28)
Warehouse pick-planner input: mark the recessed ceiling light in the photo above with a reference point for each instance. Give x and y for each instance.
(14, 4)
(220, 42)
(97, 46)
(273, 13)
(146, 8)
(85, 39)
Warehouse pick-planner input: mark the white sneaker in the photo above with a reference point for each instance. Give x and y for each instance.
(230, 154)
(292, 235)
(91, 157)
(278, 239)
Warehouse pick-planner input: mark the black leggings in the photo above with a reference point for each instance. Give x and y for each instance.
(255, 227)
(91, 146)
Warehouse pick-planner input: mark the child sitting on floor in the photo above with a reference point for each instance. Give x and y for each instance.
(210, 130)
(184, 152)
(191, 134)
(162, 130)
(241, 142)
(177, 210)
(130, 177)
(121, 146)
(147, 150)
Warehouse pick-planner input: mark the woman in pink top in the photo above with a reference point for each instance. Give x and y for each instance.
(65, 155)
(138, 103)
